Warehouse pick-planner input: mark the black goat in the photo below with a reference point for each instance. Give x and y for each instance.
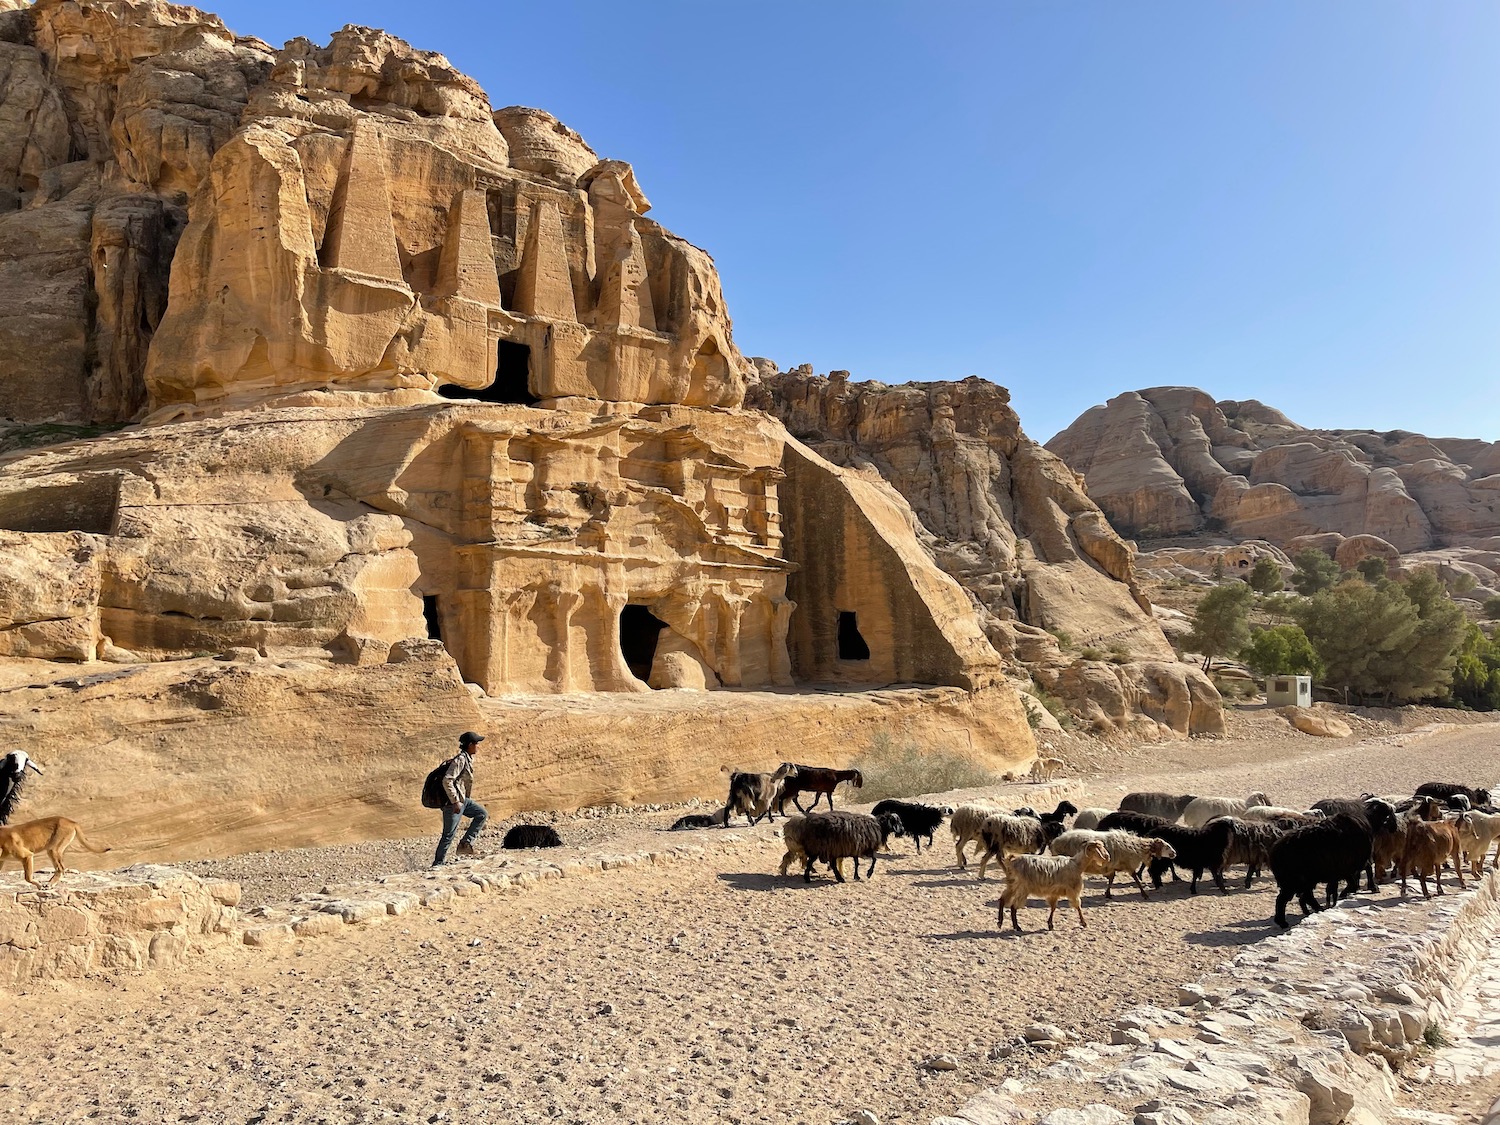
(1443, 790)
(820, 781)
(1198, 849)
(917, 819)
(1060, 814)
(1250, 843)
(1142, 824)
(700, 820)
(531, 836)
(13, 769)
(1332, 851)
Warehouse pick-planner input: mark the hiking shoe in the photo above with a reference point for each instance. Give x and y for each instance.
(468, 850)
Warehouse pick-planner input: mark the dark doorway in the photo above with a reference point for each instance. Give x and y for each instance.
(851, 645)
(639, 629)
(512, 383)
(434, 617)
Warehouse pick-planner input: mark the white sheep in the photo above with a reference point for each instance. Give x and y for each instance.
(1203, 809)
(1049, 877)
(966, 822)
(1267, 813)
(1128, 853)
(1090, 817)
(1476, 832)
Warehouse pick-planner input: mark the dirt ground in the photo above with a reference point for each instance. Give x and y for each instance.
(697, 993)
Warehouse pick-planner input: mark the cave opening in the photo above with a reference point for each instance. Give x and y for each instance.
(433, 616)
(639, 631)
(512, 385)
(852, 645)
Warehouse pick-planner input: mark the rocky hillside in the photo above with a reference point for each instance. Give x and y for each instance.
(1170, 460)
(1011, 522)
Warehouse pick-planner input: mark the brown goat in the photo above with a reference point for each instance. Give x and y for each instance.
(756, 795)
(1425, 846)
(820, 781)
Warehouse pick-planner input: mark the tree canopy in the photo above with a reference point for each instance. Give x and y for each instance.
(1221, 622)
(1391, 640)
(1265, 576)
(1282, 650)
(1315, 571)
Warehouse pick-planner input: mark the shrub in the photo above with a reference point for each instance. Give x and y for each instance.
(904, 769)
(1064, 640)
(1089, 652)
(1119, 654)
(1372, 569)
(1492, 608)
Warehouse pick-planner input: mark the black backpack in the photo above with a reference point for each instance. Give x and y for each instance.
(433, 796)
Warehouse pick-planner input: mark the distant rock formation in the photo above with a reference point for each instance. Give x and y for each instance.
(1169, 461)
(1011, 522)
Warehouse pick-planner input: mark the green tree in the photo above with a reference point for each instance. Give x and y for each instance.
(1492, 608)
(1265, 576)
(1396, 641)
(1372, 568)
(1315, 571)
(1282, 650)
(1221, 622)
(1353, 627)
(1476, 672)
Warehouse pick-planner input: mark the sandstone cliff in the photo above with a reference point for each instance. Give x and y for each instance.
(1169, 460)
(1011, 522)
(426, 400)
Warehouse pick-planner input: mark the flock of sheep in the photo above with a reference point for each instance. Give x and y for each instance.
(1330, 844)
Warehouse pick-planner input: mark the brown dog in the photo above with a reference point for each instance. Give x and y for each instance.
(52, 834)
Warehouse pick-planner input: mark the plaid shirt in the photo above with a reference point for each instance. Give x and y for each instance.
(458, 780)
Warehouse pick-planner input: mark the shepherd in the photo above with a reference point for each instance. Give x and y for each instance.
(448, 788)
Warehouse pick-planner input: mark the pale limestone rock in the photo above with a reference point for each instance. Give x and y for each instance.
(1312, 721)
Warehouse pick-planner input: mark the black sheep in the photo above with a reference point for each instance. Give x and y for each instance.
(1377, 812)
(1446, 789)
(531, 836)
(1198, 849)
(917, 819)
(1331, 851)
(700, 820)
(1142, 824)
(13, 767)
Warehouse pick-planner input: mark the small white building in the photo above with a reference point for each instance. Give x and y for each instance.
(1289, 691)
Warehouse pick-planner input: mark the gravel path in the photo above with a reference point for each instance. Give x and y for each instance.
(694, 993)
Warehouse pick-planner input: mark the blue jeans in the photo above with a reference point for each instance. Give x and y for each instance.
(478, 819)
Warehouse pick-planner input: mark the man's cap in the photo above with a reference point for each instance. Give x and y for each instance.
(468, 738)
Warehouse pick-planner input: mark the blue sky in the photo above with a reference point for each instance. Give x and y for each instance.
(1297, 202)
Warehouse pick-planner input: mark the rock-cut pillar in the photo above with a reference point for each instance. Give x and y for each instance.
(545, 287)
(466, 268)
(361, 236)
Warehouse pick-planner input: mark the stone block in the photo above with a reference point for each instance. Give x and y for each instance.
(315, 925)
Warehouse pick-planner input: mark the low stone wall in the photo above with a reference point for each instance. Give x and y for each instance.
(1306, 1028)
(143, 917)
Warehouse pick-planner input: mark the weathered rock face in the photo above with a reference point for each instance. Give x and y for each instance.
(1012, 524)
(364, 241)
(109, 115)
(366, 228)
(1170, 460)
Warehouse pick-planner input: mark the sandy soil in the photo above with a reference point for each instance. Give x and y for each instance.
(686, 994)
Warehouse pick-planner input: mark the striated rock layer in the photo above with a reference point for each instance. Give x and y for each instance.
(1011, 522)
